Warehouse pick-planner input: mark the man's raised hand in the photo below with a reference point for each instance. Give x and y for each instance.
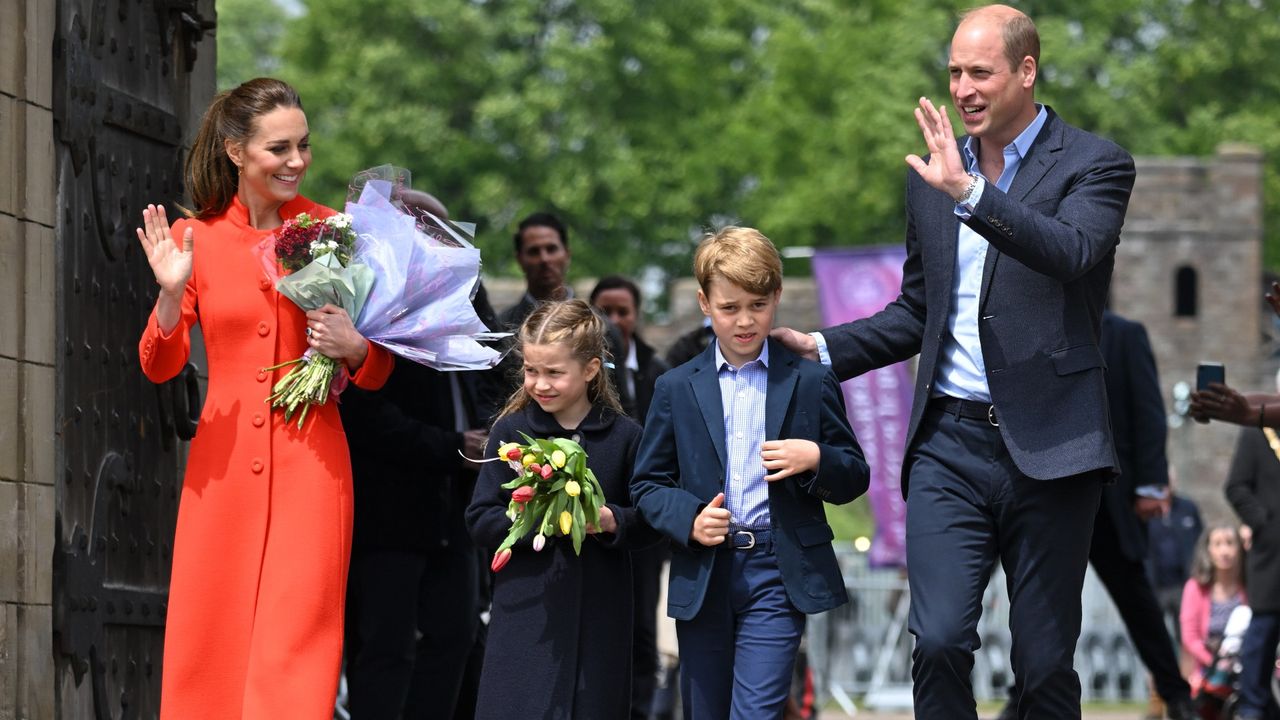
(945, 169)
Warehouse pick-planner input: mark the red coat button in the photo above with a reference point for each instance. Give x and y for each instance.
(263, 329)
(264, 284)
(257, 467)
(258, 420)
(262, 376)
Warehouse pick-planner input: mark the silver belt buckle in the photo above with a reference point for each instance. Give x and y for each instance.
(991, 416)
(750, 535)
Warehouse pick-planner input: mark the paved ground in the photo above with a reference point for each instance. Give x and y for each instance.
(1134, 712)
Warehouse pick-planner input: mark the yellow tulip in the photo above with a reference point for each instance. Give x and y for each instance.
(566, 522)
(558, 459)
(505, 449)
(572, 488)
(528, 459)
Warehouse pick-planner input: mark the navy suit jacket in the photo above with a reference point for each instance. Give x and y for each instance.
(1052, 248)
(681, 466)
(1139, 425)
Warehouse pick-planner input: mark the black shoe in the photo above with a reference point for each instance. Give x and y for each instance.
(1182, 709)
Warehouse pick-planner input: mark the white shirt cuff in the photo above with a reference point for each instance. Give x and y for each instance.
(824, 356)
(1155, 492)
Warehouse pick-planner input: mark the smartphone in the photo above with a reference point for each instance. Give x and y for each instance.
(1210, 372)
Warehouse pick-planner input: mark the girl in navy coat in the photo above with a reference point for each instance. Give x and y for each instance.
(560, 627)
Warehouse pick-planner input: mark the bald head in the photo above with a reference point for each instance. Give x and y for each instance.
(1021, 39)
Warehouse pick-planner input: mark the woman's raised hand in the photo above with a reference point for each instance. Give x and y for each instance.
(170, 263)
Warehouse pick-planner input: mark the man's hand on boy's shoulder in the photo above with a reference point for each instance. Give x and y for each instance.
(789, 457)
(711, 525)
(797, 342)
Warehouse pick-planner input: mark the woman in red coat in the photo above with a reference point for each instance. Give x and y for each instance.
(254, 627)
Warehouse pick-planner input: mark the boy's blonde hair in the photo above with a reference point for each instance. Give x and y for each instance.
(740, 255)
(585, 331)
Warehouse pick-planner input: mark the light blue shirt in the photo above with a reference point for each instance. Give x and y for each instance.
(961, 372)
(742, 395)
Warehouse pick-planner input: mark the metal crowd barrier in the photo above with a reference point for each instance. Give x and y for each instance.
(861, 653)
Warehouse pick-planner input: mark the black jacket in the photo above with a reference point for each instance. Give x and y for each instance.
(651, 366)
(560, 627)
(411, 486)
(1253, 489)
(1138, 427)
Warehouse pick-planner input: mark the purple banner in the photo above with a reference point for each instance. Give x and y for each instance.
(854, 283)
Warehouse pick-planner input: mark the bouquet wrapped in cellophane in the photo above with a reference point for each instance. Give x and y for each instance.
(406, 277)
(554, 493)
(317, 254)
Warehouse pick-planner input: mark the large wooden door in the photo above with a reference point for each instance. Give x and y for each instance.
(122, 86)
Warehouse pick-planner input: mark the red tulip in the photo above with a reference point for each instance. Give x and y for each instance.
(546, 471)
(523, 494)
(515, 453)
(535, 468)
(500, 559)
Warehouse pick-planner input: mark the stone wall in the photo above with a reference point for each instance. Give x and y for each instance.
(27, 319)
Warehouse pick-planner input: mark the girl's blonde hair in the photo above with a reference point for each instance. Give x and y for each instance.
(1202, 566)
(573, 323)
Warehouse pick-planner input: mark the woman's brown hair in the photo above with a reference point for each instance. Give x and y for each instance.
(585, 331)
(212, 179)
(1202, 566)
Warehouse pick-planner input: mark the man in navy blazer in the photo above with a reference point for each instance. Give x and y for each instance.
(1011, 236)
(752, 427)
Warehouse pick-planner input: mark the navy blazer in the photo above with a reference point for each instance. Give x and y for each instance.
(1052, 248)
(681, 466)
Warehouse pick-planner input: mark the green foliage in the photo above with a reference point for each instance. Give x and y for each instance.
(248, 34)
(643, 123)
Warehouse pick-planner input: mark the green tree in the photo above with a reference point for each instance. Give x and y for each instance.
(248, 34)
(642, 123)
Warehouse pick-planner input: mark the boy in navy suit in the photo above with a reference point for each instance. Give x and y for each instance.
(741, 446)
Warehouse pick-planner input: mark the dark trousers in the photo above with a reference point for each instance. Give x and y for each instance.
(1258, 664)
(412, 619)
(1130, 589)
(967, 505)
(646, 570)
(737, 654)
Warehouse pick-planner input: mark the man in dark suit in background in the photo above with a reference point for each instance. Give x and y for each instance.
(1011, 236)
(415, 592)
(1118, 550)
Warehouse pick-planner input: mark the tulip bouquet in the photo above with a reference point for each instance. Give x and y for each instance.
(553, 493)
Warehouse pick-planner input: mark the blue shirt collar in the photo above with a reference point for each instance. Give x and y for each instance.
(1021, 144)
(763, 359)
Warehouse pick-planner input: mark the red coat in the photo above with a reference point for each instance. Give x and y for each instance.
(254, 628)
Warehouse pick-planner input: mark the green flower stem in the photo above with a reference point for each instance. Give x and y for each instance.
(306, 384)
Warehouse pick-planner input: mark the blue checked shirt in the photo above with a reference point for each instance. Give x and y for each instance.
(742, 394)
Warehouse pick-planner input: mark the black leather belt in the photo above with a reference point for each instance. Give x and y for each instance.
(967, 409)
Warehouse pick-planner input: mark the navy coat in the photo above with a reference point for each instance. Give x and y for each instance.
(681, 467)
(559, 642)
(1052, 247)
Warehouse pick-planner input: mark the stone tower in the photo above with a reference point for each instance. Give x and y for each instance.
(1189, 267)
